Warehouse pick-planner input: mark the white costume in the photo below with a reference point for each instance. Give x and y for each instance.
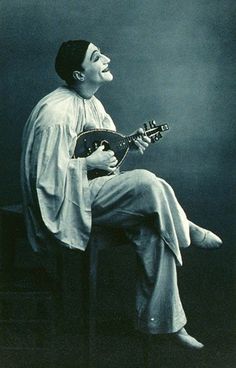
(59, 198)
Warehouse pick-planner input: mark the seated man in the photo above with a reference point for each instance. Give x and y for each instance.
(59, 197)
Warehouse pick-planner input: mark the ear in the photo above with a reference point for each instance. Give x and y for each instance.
(77, 75)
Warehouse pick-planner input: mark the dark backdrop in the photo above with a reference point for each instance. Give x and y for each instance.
(172, 61)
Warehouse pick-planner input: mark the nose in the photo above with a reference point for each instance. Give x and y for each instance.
(105, 59)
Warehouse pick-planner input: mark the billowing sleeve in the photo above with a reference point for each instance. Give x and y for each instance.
(108, 122)
(62, 186)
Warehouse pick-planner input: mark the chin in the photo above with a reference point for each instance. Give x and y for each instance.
(109, 77)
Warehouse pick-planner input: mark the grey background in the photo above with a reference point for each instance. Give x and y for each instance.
(172, 61)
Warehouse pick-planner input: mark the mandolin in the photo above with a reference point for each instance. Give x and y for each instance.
(87, 142)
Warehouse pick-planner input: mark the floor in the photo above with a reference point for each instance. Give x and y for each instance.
(206, 285)
(115, 350)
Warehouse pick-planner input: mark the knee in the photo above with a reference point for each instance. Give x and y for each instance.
(146, 183)
(166, 187)
(149, 183)
(145, 178)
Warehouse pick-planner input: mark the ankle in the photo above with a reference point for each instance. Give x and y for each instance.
(197, 233)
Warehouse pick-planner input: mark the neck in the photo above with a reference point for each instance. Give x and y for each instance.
(85, 91)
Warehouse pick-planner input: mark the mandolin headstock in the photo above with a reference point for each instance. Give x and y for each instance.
(153, 130)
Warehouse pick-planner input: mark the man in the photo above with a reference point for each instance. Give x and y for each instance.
(60, 199)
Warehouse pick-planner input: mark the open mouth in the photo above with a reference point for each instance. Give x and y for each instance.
(106, 70)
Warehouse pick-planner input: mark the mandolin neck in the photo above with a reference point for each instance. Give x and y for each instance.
(154, 133)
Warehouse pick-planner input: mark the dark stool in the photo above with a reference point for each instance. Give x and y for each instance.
(12, 227)
(26, 320)
(28, 302)
(100, 239)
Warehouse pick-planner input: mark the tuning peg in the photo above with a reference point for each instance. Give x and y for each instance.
(152, 124)
(156, 137)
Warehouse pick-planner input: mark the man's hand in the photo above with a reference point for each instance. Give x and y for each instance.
(103, 160)
(143, 141)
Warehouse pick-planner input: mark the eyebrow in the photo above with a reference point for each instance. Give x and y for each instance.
(97, 50)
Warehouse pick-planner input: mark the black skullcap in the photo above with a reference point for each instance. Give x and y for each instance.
(69, 58)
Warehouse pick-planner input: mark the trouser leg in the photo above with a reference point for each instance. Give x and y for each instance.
(158, 305)
(133, 196)
(132, 201)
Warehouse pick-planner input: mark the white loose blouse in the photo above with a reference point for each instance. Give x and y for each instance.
(56, 190)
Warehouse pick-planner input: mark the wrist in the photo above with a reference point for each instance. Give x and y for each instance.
(88, 163)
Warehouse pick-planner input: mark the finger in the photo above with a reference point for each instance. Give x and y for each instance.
(137, 142)
(111, 153)
(111, 169)
(113, 161)
(146, 139)
(113, 166)
(101, 148)
(140, 147)
(142, 142)
(141, 150)
(140, 131)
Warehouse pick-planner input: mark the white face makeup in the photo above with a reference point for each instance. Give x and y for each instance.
(96, 66)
